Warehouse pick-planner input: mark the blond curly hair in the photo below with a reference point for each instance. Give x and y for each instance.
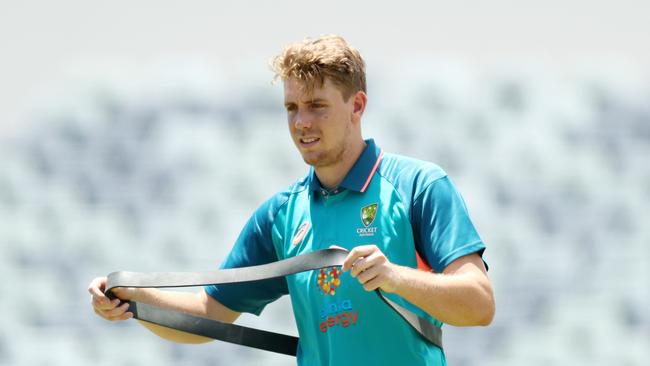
(313, 60)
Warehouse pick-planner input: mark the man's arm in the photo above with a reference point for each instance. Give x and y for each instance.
(462, 295)
(199, 304)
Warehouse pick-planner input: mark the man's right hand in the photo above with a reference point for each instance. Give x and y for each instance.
(107, 308)
(198, 304)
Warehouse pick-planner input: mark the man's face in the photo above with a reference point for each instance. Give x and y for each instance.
(319, 121)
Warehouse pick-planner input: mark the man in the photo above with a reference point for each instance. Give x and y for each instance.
(403, 221)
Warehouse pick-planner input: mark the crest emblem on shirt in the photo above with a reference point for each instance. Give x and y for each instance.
(300, 233)
(368, 214)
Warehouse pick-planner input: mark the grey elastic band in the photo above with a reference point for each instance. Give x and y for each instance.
(233, 333)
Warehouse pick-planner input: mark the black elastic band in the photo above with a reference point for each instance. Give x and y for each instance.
(233, 333)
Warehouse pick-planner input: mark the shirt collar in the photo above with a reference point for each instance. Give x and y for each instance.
(359, 176)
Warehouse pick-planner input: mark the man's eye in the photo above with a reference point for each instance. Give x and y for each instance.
(317, 106)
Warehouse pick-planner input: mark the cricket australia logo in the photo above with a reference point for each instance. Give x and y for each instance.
(368, 215)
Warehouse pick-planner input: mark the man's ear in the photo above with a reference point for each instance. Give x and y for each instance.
(360, 99)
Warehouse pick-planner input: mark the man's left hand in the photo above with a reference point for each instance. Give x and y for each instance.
(370, 266)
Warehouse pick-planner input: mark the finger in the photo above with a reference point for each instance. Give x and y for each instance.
(102, 314)
(360, 265)
(97, 286)
(102, 303)
(357, 253)
(117, 312)
(105, 305)
(111, 313)
(375, 283)
(126, 316)
(99, 312)
(368, 275)
(363, 264)
(96, 290)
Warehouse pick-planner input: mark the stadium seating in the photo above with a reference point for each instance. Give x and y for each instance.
(555, 171)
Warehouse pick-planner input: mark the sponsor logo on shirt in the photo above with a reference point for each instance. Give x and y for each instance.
(300, 234)
(328, 280)
(368, 215)
(337, 314)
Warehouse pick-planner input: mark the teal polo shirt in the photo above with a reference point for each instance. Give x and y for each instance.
(409, 208)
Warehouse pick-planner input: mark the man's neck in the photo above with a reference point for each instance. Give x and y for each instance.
(330, 177)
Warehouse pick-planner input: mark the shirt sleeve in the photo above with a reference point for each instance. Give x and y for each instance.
(253, 247)
(442, 226)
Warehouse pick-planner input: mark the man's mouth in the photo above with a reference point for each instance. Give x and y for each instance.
(309, 141)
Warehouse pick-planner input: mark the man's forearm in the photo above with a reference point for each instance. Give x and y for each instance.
(196, 304)
(462, 295)
(460, 299)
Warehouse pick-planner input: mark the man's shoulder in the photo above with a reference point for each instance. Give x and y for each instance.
(400, 169)
(279, 200)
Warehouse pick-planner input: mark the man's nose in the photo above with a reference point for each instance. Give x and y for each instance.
(303, 120)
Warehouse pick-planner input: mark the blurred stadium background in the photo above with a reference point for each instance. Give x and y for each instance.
(140, 137)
